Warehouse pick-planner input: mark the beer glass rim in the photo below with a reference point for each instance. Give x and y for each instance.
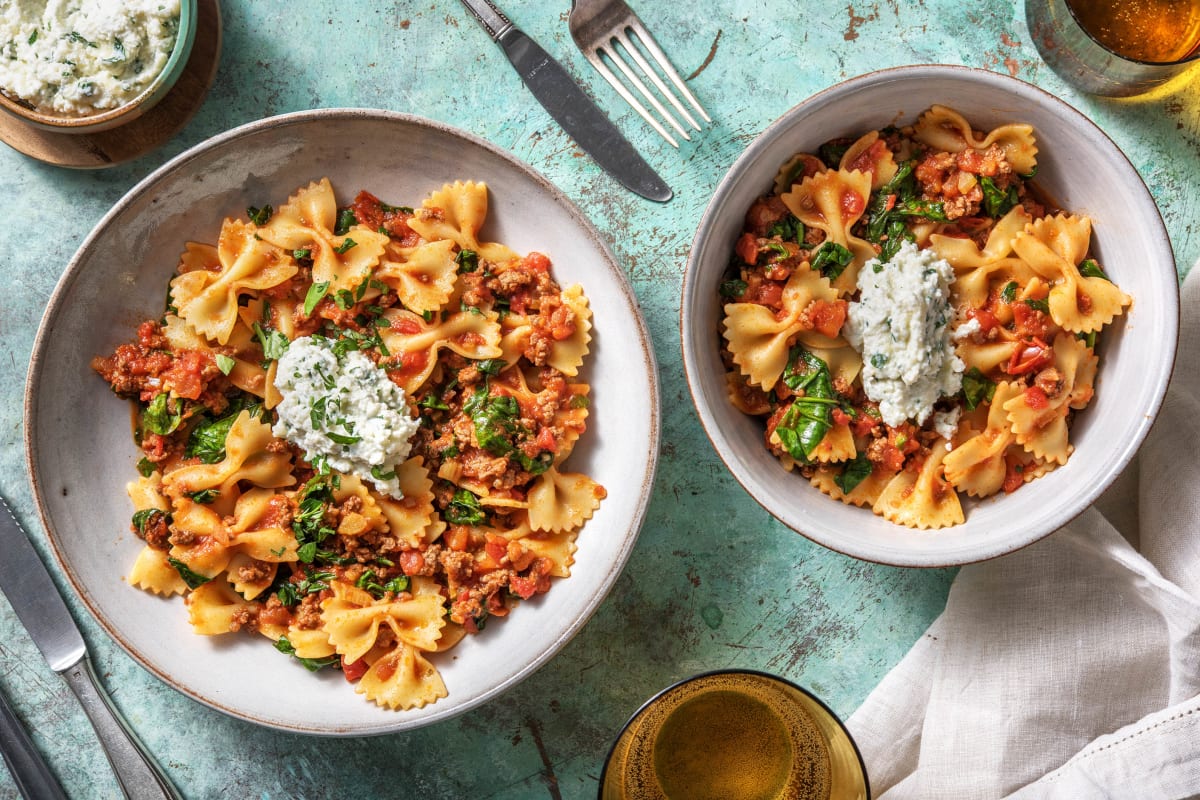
(1190, 57)
(608, 759)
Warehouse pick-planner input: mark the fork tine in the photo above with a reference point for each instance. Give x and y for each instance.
(652, 47)
(615, 56)
(627, 42)
(596, 61)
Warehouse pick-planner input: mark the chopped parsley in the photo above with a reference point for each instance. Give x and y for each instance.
(259, 216)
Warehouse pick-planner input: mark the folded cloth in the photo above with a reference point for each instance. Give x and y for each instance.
(1071, 668)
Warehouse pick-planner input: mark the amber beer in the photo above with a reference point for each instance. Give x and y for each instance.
(743, 735)
(1155, 31)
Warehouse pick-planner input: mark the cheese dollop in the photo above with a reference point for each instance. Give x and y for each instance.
(900, 325)
(342, 409)
(79, 57)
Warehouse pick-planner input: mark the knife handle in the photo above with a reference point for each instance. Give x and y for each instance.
(29, 771)
(140, 776)
(491, 18)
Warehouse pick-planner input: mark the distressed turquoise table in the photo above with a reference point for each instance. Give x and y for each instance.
(714, 581)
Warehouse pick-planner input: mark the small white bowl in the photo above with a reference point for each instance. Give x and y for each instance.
(1078, 166)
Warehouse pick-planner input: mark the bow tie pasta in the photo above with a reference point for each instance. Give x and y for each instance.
(345, 557)
(913, 321)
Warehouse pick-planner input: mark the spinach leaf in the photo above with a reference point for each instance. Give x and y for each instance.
(977, 388)
(204, 496)
(207, 440)
(309, 524)
(274, 344)
(346, 220)
(832, 151)
(225, 363)
(895, 201)
(732, 290)
(284, 646)
(314, 295)
(141, 519)
(831, 259)
(194, 580)
(146, 467)
(157, 417)
(810, 417)
(259, 216)
(467, 260)
(1042, 305)
(464, 509)
(788, 228)
(1090, 269)
(996, 201)
(854, 473)
(1009, 292)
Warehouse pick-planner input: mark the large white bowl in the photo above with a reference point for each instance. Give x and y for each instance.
(1079, 167)
(81, 454)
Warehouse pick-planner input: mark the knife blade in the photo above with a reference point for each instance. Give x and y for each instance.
(36, 601)
(570, 106)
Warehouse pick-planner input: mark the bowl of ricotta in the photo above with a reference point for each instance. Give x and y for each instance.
(83, 66)
(882, 340)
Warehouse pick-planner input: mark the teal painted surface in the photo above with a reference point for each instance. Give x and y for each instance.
(714, 581)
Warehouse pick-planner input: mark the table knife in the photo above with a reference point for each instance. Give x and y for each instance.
(569, 105)
(37, 603)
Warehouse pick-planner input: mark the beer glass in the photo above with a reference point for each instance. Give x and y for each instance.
(736, 734)
(1116, 48)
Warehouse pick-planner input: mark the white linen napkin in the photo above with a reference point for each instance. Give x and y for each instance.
(1071, 668)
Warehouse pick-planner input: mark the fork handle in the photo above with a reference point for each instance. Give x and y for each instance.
(491, 18)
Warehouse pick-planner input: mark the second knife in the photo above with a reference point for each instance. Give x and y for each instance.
(570, 106)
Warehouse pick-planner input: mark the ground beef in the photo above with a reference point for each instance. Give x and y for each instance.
(255, 571)
(308, 612)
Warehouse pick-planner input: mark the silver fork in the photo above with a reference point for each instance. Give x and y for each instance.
(599, 27)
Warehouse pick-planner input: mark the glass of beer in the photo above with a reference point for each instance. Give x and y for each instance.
(1116, 48)
(738, 734)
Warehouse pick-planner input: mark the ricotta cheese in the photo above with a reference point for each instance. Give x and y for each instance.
(900, 325)
(343, 410)
(79, 57)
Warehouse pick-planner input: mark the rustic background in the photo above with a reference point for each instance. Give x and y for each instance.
(714, 581)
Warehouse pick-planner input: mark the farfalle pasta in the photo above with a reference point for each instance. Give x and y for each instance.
(1010, 292)
(259, 534)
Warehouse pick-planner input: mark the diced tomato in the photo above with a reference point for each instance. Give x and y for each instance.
(546, 441)
(747, 248)
(853, 203)
(1013, 479)
(1035, 398)
(864, 424)
(354, 669)
(406, 325)
(827, 316)
(496, 546)
(412, 562)
(186, 374)
(840, 417)
(537, 262)
(767, 293)
(987, 320)
(868, 160)
(1029, 322)
(1030, 356)
(456, 537)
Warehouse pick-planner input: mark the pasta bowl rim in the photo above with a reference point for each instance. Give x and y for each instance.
(131, 109)
(858, 532)
(624, 534)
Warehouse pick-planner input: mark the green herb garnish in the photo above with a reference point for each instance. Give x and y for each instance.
(259, 216)
(194, 580)
(977, 388)
(315, 294)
